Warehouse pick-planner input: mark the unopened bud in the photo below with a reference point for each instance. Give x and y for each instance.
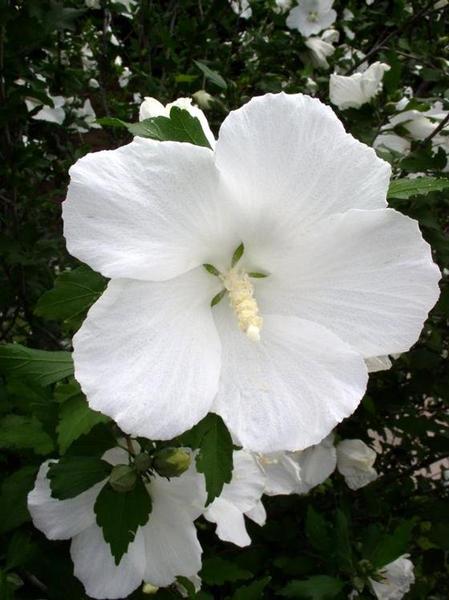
(123, 478)
(172, 462)
(149, 588)
(203, 99)
(142, 462)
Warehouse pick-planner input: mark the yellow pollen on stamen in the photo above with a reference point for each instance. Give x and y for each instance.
(243, 303)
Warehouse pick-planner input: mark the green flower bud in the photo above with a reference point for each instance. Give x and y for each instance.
(149, 588)
(172, 462)
(123, 478)
(142, 462)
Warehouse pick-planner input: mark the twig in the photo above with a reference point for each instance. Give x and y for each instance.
(437, 129)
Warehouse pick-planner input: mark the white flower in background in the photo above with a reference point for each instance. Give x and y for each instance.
(378, 363)
(124, 77)
(164, 548)
(321, 47)
(87, 58)
(398, 577)
(355, 462)
(282, 6)
(280, 358)
(348, 16)
(151, 107)
(87, 114)
(357, 89)
(203, 99)
(93, 83)
(127, 4)
(52, 114)
(415, 125)
(299, 472)
(240, 497)
(311, 16)
(93, 4)
(242, 8)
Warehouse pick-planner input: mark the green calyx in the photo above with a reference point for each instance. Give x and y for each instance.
(123, 478)
(172, 462)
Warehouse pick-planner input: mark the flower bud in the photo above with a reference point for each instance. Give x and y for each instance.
(142, 462)
(123, 478)
(172, 462)
(149, 588)
(202, 98)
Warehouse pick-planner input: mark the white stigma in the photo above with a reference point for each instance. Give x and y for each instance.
(243, 303)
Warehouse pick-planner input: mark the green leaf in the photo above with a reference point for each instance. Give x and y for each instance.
(238, 253)
(214, 458)
(211, 75)
(27, 433)
(13, 498)
(391, 546)
(317, 587)
(181, 126)
(112, 122)
(72, 475)
(40, 366)
(402, 189)
(73, 294)
(76, 419)
(342, 541)
(120, 514)
(317, 531)
(253, 591)
(257, 275)
(217, 571)
(94, 443)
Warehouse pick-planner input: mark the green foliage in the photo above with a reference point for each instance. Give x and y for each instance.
(181, 126)
(214, 458)
(211, 75)
(20, 432)
(76, 419)
(403, 189)
(119, 514)
(39, 366)
(73, 294)
(217, 571)
(318, 587)
(13, 498)
(72, 475)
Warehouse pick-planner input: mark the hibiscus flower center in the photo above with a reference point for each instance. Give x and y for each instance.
(237, 284)
(312, 16)
(242, 301)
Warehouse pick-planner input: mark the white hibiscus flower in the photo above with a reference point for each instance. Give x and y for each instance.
(51, 114)
(355, 462)
(347, 278)
(397, 579)
(299, 472)
(151, 107)
(357, 89)
(321, 47)
(310, 17)
(242, 8)
(240, 497)
(164, 548)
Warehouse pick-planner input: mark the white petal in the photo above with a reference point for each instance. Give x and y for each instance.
(316, 465)
(171, 543)
(94, 564)
(283, 473)
(148, 354)
(230, 522)
(151, 107)
(288, 390)
(398, 578)
(368, 276)
(60, 519)
(148, 210)
(355, 463)
(378, 363)
(188, 490)
(247, 484)
(360, 479)
(258, 514)
(289, 163)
